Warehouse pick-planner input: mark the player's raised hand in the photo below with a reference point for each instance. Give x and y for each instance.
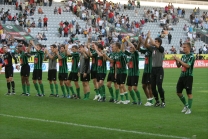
(148, 34)
(46, 50)
(176, 58)
(140, 38)
(31, 42)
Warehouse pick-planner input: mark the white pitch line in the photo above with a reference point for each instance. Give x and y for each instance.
(95, 127)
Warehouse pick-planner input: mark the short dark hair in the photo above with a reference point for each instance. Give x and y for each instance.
(41, 46)
(159, 40)
(63, 46)
(118, 45)
(81, 45)
(75, 46)
(53, 45)
(188, 44)
(100, 46)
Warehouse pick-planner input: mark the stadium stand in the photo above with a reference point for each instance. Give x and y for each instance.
(54, 20)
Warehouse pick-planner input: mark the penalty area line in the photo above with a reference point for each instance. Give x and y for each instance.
(94, 127)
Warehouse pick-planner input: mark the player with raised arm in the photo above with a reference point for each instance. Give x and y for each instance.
(111, 77)
(146, 77)
(25, 69)
(9, 70)
(37, 72)
(84, 71)
(52, 69)
(120, 71)
(101, 71)
(133, 71)
(73, 76)
(185, 80)
(93, 54)
(157, 68)
(63, 69)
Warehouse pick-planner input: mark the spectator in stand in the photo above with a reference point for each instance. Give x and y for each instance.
(190, 29)
(183, 13)
(45, 22)
(206, 25)
(39, 36)
(85, 33)
(59, 10)
(66, 9)
(40, 11)
(181, 50)
(61, 24)
(77, 28)
(66, 30)
(50, 3)
(138, 3)
(169, 38)
(204, 49)
(60, 29)
(193, 49)
(33, 24)
(192, 18)
(185, 28)
(66, 23)
(181, 42)
(28, 24)
(111, 17)
(100, 23)
(173, 50)
(44, 36)
(40, 22)
(3, 37)
(41, 2)
(9, 17)
(196, 21)
(55, 11)
(28, 30)
(45, 2)
(200, 50)
(179, 11)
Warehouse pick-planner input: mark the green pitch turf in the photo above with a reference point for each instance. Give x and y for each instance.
(46, 117)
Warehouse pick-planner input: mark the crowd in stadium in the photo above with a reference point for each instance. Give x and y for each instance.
(100, 18)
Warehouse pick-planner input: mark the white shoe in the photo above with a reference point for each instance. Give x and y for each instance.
(96, 97)
(188, 111)
(185, 109)
(127, 101)
(121, 102)
(148, 104)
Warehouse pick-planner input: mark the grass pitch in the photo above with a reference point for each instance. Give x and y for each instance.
(33, 117)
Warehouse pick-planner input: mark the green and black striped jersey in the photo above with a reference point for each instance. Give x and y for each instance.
(133, 63)
(63, 68)
(94, 60)
(112, 64)
(75, 62)
(121, 60)
(148, 60)
(24, 58)
(188, 59)
(101, 65)
(38, 59)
